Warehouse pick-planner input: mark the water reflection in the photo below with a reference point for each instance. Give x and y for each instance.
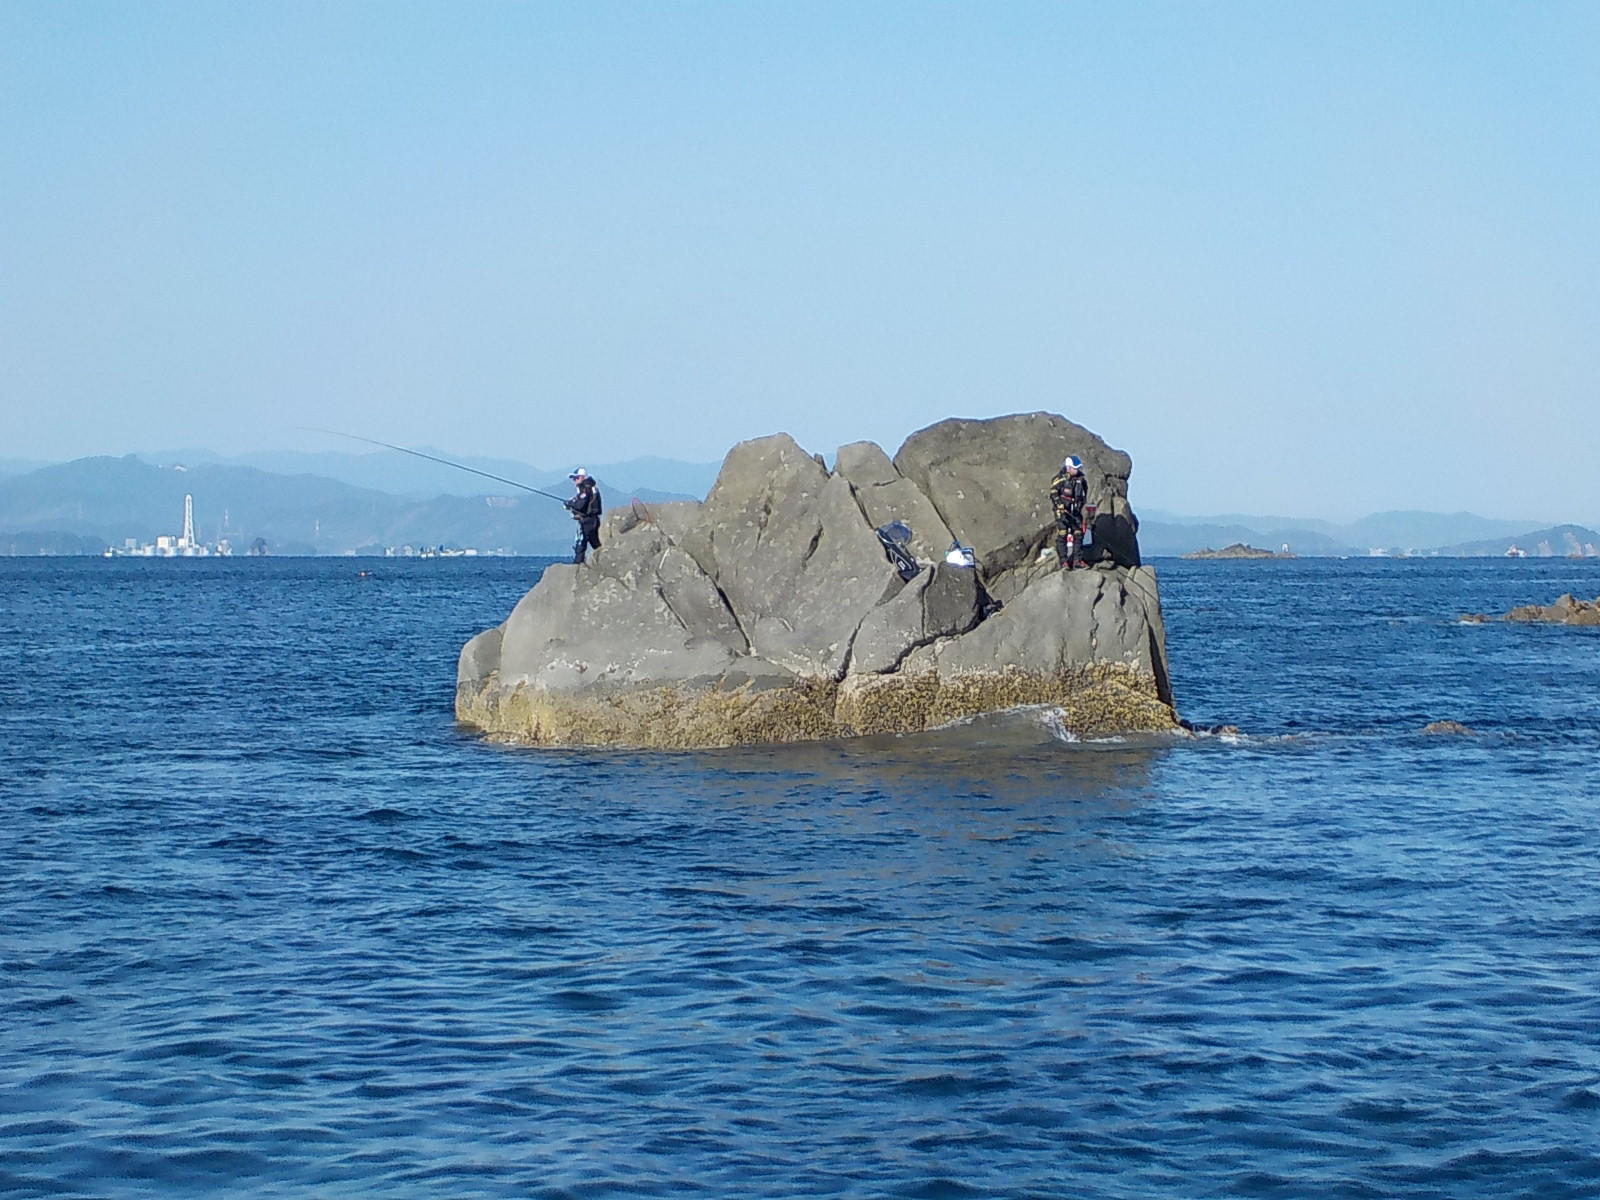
(1015, 759)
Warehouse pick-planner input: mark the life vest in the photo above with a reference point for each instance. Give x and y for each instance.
(1068, 494)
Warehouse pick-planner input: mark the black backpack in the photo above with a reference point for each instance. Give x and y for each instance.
(894, 538)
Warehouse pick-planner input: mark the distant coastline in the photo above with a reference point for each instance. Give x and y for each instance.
(377, 505)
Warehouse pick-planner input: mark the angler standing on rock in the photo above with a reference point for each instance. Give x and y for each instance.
(586, 509)
(1069, 492)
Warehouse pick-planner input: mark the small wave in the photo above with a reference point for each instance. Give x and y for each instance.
(584, 1000)
(46, 1003)
(399, 853)
(387, 816)
(241, 841)
(1227, 735)
(949, 1084)
(1054, 721)
(1581, 1098)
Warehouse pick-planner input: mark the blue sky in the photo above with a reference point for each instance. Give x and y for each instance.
(1316, 259)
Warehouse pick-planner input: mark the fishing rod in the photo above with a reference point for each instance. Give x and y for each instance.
(434, 458)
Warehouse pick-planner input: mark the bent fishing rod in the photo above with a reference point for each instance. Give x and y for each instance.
(356, 437)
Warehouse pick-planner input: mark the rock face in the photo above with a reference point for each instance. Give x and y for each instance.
(770, 612)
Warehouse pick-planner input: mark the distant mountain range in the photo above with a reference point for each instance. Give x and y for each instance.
(1406, 532)
(336, 503)
(1558, 540)
(91, 503)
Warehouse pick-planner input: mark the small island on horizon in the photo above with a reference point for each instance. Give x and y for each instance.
(1239, 550)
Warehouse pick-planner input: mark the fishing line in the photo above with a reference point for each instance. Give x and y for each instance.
(356, 437)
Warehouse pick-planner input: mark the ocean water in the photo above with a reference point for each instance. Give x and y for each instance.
(273, 926)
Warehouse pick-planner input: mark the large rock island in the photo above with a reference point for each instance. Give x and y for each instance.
(771, 613)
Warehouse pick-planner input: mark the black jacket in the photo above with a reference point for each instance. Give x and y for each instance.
(586, 507)
(1068, 493)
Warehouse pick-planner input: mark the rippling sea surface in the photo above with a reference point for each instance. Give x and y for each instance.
(273, 926)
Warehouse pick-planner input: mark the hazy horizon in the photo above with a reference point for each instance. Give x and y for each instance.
(544, 473)
(1324, 259)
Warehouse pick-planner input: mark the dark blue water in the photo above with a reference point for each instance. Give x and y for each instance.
(273, 926)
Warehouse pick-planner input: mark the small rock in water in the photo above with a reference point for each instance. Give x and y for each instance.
(1565, 611)
(1446, 727)
(1210, 730)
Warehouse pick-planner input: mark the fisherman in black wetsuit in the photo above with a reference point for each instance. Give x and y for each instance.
(586, 509)
(1069, 492)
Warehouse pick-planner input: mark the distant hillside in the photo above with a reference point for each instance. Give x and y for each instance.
(111, 499)
(1427, 530)
(1555, 542)
(1241, 520)
(1443, 533)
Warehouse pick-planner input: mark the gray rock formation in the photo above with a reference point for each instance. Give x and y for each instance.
(770, 612)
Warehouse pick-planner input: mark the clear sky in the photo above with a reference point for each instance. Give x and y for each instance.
(1300, 258)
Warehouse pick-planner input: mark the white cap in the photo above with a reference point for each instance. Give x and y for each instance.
(580, 473)
(1072, 461)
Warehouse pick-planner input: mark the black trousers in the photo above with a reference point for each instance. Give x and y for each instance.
(1069, 541)
(588, 535)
